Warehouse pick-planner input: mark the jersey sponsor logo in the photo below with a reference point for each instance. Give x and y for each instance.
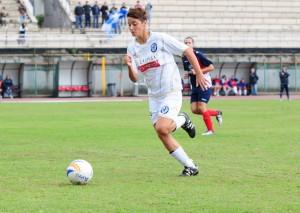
(164, 110)
(143, 59)
(149, 65)
(153, 47)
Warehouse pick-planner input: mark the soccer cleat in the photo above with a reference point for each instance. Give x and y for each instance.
(219, 118)
(208, 133)
(188, 126)
(189, 171)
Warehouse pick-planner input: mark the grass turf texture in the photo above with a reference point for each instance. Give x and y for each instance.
(250, 165)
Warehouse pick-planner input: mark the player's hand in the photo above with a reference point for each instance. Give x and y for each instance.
(201, 81)
(128, 60)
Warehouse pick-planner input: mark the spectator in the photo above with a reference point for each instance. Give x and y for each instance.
(3, 16)
(253, 78)
(96, 13)
(8, 86)
(87, 13)
(22, 17)
(78, 15)
(113, 9)
(186, 86)
(1, 86)
(242, 87)
(224, 86)
(104, 12)
(233, 86)
(216, 83)
(123, 12)
(284, 82)
(148, 9)
(123, 6)
(114, 21)
(22, 34)
(138, 5)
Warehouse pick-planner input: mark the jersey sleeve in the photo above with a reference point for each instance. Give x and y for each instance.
(172, 45)
(206, 62)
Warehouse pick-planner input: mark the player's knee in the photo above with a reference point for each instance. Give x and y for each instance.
(196, 111)
(162, 130)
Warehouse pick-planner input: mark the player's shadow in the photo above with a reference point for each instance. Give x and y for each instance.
(71, 185)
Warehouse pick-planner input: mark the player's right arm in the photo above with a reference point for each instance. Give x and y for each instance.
(132, 72)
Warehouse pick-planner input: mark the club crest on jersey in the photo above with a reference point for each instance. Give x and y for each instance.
(164, 110)
(153, 47)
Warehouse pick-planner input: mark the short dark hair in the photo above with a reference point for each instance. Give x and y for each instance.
(137, 13)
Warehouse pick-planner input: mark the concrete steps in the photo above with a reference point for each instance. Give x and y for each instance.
(213, 23)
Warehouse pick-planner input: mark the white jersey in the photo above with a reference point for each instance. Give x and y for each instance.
(155, 61)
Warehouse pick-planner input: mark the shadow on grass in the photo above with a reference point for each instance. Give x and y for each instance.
(66, 184)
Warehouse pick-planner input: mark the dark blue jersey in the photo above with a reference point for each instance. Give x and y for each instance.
(284, 78)
(203, 62)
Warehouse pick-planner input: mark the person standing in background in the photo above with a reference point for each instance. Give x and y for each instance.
(253, 78)
(87, 13)
(1, 86)
(96, 13)
(22, 34)
(78, 15)
(284, 82)
(104, 13)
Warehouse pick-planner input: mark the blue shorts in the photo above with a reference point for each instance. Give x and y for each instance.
(199, 95)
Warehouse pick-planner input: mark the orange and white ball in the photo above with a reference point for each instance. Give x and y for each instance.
(79, 172)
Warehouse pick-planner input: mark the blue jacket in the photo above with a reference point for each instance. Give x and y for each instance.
(96, 10)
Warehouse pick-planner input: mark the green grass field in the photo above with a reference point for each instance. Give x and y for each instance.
(252, 164)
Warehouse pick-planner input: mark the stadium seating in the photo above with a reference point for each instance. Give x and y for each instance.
(11, 9)
(223, 23)
(13, 15)
(213, 23)
(76, 88)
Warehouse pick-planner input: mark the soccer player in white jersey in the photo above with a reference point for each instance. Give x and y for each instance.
(151, 54)
(200, 97)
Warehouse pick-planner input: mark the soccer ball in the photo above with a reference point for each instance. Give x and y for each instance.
(79, 172)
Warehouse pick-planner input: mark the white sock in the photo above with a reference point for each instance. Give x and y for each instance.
(179, 120)
(180, 155)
